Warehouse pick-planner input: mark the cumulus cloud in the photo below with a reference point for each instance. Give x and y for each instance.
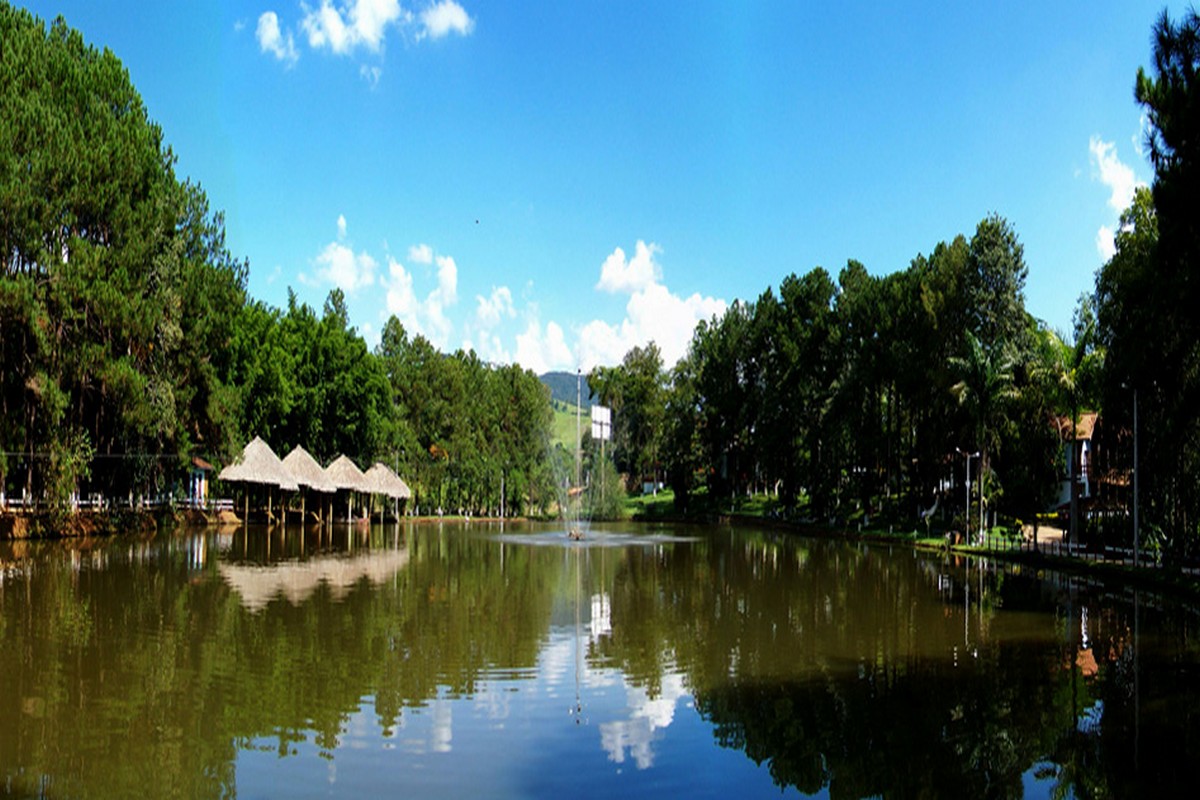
(542, 350)
(346, 28)
(619, 275)
(492, 309)
(1121, 182)
(444, 18)
(271, 39)
(425, 316)
(447, 291)
(1106, 243)
(1113, 173)
(420, 254)
(653, 313)
(341, 266)
(341, 225)
(401, 300)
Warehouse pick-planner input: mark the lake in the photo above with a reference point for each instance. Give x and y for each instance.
(645, 661)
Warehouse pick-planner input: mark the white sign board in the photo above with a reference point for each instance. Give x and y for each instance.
(601, 423)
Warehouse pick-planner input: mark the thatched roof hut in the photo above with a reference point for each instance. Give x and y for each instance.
(259, 464)
(345, 474)
(307, 472)
(382, 480)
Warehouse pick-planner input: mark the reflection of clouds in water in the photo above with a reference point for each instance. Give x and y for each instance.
(557, 667)
(494, 701)
(601, 624)
(442, 730)
(360, 729)
(633, 735)
(646, 716)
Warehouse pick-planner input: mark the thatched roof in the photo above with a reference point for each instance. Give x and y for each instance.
(307, 472)
(345, 474)
(1083, 428)
(298, 580)
(382, 480)
(259, 464)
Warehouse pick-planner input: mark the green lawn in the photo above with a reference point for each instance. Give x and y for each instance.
(563, 429)
(648, 505)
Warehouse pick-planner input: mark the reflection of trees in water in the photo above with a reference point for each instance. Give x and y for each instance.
(843, 668)
(839, 667)
(122, 678)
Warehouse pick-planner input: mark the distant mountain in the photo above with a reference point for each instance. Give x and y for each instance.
(562, 387)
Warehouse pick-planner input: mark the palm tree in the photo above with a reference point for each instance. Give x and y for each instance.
(984, 389)
(1078, 369)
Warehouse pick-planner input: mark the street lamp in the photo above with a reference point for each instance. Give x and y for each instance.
(1136, 554)
(967, 516)
(1135, 481)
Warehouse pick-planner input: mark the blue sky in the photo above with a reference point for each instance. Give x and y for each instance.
(553, 183)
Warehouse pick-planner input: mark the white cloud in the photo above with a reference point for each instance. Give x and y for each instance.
(447, 290)
(543, 350)
(1106, 243)
(344, 29)
(444, 18)
(653, 313)
(427, 317)
(370, 74)
(341, 225)
(1113, 173)
(488, 347)
(420, 254)
(1121, 182)
(272, 40)
(618, 275)
(492, 309)
(1139, 138)
(401, 299)
(339, 265)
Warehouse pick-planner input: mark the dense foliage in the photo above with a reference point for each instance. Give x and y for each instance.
(855, 394)
(118, 298)
(1148, 294)
(129, 346)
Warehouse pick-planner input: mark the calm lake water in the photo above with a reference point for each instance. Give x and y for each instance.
(475, 661)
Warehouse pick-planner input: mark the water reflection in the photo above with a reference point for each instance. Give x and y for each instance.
(455, 659)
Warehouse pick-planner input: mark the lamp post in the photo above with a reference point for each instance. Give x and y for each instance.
(1136, 558)
(967, 515)
(1136, 548)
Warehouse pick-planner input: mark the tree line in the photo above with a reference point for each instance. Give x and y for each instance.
(872, 394)
(855, 394)
(129, 343)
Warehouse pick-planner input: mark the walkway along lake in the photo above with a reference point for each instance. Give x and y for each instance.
(472, 660)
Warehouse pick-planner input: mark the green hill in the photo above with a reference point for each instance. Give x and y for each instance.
(563, 430)
(562, 387)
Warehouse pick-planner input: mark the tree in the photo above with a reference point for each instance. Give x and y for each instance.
(636, 392)
(117, 295)
(995, 283)
(1077, 371)
(985, 388)
(1148, 291)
